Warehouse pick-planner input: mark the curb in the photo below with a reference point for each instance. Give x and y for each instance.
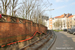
(52, 42)
(49, 44)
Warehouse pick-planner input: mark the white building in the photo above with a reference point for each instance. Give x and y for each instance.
(63, 19)
(46, 21)
(73, 21)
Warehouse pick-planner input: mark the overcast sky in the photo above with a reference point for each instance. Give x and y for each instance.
(60, 7)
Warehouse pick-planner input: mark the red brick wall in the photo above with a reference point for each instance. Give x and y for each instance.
(10, 31)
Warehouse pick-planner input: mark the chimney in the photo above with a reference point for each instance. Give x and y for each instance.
(69, 14)
(64, 14)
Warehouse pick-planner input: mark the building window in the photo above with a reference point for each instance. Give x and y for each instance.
(50, 24)
(64, 25)
(50, 21)
(70, 25)
(68, 22)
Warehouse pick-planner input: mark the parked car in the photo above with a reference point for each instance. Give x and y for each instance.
(71, 31)
(65, 30)
(68, 30)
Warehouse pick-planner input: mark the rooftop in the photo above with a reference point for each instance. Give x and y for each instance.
(70, 16)
(64, 15)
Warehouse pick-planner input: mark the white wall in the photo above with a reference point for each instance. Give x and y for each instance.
(47, 23)
(64, 20)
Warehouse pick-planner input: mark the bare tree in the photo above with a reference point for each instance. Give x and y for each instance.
(15, 6)
(29, 6)
(5, 4)
(58, 23)
(11, 5)
(0, 10)
(27, 9)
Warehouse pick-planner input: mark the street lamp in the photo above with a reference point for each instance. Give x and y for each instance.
(48, 10)
(51, 9)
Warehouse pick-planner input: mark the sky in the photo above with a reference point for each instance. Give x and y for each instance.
(60, 7)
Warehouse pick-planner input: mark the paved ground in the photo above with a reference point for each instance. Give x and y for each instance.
(64, 41)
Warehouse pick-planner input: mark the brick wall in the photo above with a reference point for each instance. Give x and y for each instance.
(13, 28)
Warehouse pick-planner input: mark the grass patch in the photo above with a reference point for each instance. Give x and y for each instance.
(58, 30)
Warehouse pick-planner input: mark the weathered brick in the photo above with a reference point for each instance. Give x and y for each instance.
(26, 28)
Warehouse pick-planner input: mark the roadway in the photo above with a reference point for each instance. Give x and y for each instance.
(64, 41)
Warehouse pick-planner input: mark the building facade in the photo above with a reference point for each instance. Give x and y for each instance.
(71, 21)
(50, 24)
(64, 21)
(45, 20)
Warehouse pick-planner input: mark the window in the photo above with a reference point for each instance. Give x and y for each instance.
(70, 25)
(50, 21)
(50, 24)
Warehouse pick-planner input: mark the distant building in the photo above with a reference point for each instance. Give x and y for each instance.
(67, 21)
(45, 17)
(71, 21)
(50, 23)
(46, 21)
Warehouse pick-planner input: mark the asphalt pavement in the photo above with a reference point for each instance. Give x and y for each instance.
(64, 41)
